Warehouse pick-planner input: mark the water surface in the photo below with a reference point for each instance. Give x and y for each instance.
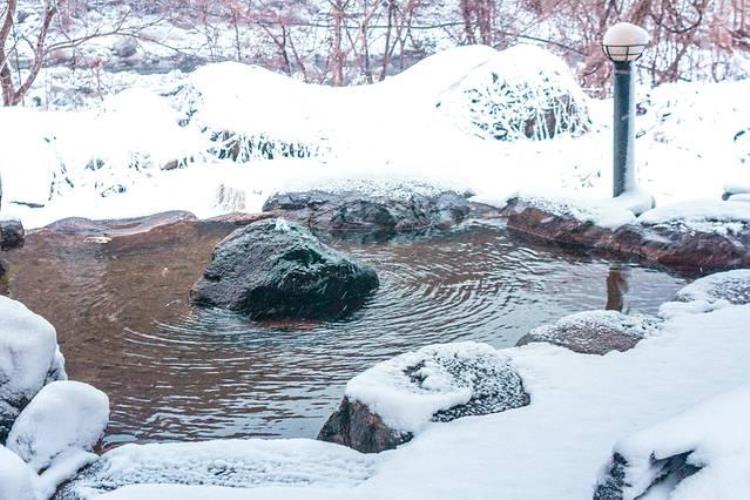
(124, 324)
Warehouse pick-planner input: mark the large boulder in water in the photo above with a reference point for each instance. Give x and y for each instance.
(356, 212)
(29, 359)
(275, 269)
(388, 404)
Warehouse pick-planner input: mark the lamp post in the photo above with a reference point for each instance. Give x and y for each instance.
(624, 43)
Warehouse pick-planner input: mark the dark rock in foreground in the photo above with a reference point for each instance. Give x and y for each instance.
(419, 387)
(594, 332)
(275, 269)
(12, 234)
(615, 485)
(363, 213)
(356, 426)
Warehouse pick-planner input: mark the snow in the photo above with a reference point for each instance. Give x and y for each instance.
(29, 357)
(417, 127)
(64, 416)
(602, 213)
(725, 217)
(230, 463)
(710, 292)
(634, 325)
(17, 480)
(712, 434)
(408, 390)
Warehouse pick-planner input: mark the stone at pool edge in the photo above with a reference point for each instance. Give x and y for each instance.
(594, 332)
(276, 269)
(353, 211)
(494, 384)
(667, 244)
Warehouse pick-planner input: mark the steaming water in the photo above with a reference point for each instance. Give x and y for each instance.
(124, 324)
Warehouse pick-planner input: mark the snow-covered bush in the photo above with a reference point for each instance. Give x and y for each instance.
(522, 92)
(64, 417)
(29, 359)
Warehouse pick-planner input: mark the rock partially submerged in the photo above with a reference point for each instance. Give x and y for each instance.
(79, 226)
(388, 404)
(594, 332)
(29, 359)
(275, 269)
(358, 212)
(229, 462)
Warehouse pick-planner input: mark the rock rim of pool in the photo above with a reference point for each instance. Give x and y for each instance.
(356, 212)
(277, 269)
(715, 239)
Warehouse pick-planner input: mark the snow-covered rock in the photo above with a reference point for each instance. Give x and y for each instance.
(702, 453)
(594, 332)
(29, 359)
(710, 292)
(64, 417)
(17, 480)
(233, 463)
(389, 403)
(358, 212)
(714, 216)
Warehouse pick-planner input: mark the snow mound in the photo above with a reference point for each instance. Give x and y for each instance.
(595, 332)
(439, 383)
(523, 92)
(64, 417)
(711, 292)
(722, 217)
(17, 480)
(29, 359)
(702, 453)
(607, 215)
(233, 463)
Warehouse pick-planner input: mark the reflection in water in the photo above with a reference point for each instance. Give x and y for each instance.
(617, 287)
(171, 372)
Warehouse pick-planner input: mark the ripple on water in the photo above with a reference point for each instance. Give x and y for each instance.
(175, 373)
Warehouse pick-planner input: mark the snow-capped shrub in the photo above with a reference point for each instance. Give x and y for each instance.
(523, 92)
(242, 148)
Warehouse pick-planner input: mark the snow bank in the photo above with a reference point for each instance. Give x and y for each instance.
(29, 359)
(708, 443)
(724, 217)
(228, 463)
(64, 417)
(17, 480)
(412, 389)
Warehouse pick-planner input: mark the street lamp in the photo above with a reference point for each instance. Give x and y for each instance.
(624, 43)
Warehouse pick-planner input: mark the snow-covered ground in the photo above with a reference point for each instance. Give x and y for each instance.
(432, 124)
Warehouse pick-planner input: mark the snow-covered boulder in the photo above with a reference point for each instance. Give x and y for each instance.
(277, 269)
(64, 417)
(710, 292)
(594, 332)
(29, 359)
(356, 212)
(232, 463)
(522, 92)
(703, 453)
(17, 480)
(389, 403)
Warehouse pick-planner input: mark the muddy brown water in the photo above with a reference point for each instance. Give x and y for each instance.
(174, 373)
